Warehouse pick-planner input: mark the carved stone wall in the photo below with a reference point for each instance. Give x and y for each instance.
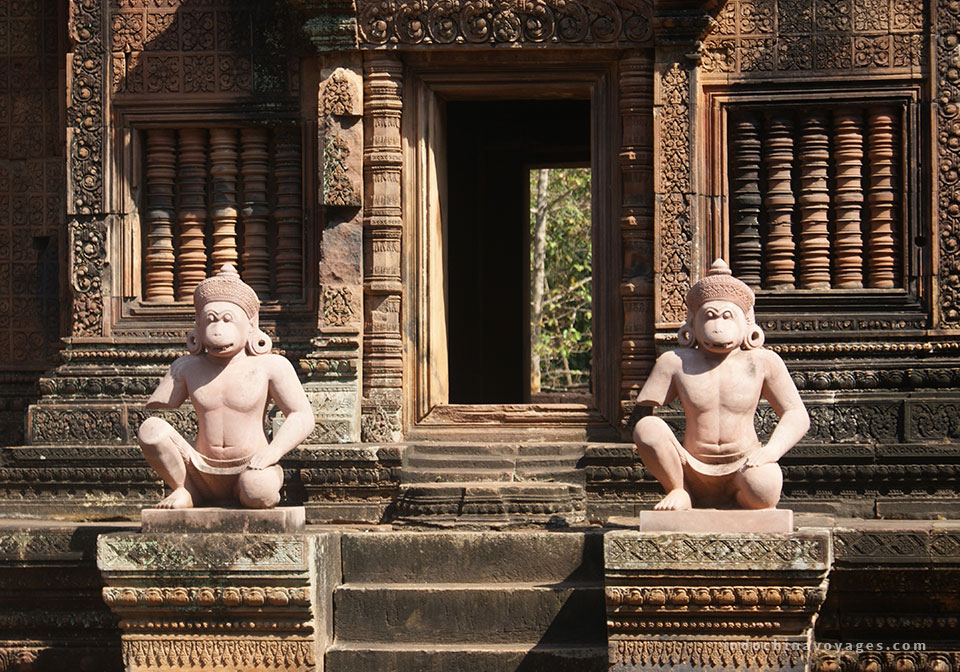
(946, 105)
(787, 37)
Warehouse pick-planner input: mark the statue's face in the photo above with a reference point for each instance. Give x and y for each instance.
(224, 328)
(720, 326)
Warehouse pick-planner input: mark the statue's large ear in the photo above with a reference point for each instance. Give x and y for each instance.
(685, 336)
(754, 337)
(258, 343)
(194, 343)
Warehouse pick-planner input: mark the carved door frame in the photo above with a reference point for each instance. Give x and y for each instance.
(429, 81)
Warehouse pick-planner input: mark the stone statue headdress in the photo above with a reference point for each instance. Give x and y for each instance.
(227, 286)
(720, 285)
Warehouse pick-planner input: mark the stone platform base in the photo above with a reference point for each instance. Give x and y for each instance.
(281, 520)
(710, 520)
(491, 504)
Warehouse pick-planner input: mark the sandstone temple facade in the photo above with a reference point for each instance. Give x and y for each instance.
(362, 162)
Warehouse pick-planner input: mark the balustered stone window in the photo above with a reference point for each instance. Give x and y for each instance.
(221, 194)
(821, 196)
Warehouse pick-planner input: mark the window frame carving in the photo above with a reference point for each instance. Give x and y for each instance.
(912, 296)
(130, 314)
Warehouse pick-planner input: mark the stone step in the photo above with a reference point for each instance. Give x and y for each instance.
(479, 449)
(490, 503)
(430, 657)
(454, 475)
(459, 461)
(470, 556)
(492, 613)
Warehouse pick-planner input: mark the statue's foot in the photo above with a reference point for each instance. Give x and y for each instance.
(676, 500)
(178, 499)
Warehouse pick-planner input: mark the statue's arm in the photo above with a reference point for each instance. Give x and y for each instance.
(779, 390)
(288, 395)
(172, 390)
(659, 390)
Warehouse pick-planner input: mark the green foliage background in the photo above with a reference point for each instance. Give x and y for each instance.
(566, 339)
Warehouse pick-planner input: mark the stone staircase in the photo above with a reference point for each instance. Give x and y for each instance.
(491, 484)
(472, 601)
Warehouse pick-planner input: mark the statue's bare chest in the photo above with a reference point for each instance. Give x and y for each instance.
(240, 388)
(735, 384)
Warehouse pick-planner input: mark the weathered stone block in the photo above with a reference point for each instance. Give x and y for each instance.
(281, 520)
(716, 520)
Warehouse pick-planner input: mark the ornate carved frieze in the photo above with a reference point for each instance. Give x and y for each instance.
(786, 37)
(946, 102)
(674, 259)
(471, 22)
(848, 659)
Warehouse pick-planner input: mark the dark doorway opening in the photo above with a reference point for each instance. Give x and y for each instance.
(491, 146)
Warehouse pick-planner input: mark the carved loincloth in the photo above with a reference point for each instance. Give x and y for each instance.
(211, 465)
(715, 465)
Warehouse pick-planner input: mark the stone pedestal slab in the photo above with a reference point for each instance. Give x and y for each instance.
(211, 601)
(283, 519)
(716, 520)
(723, 601)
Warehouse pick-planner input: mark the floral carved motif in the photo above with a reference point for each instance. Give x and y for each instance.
(675, 246)
(947, 106)
(85, 108)
(89, 253)
(445, 22)
(788, 35)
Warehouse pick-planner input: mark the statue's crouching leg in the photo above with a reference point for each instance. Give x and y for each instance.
(260, 488)
(660, 452)
(162, 447)
(759, 487)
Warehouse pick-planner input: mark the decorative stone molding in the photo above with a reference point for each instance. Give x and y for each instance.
(468, 22)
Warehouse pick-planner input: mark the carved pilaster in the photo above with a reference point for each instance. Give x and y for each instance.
(779, 203)
(382, 223)
(255, 269)
(745, 243)
(946, 103)
(287, 214)
(674, 263)
(882, 143)
(814, 203)
(636, 220)
(223, 168)
(192, 211)
(161, 164)
(848, 199)
(334, 364)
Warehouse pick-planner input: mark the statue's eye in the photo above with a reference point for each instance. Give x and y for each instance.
(228, 317)
(211, 318)
(727, 315)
